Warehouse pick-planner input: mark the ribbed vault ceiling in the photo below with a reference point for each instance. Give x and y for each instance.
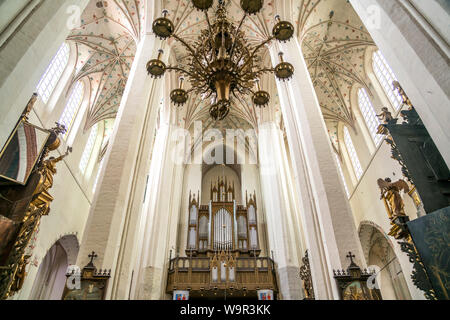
(333, 40)
(188, 24)
(106, 46)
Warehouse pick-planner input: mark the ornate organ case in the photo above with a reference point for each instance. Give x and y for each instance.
(222, 225)
(223, 252)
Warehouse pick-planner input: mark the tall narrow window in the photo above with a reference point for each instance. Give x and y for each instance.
(53, 73)
(72, 107)
(341, 172)
(352, 154)
(88, 149)
(386, 77)
(100, 167)
(369, 115)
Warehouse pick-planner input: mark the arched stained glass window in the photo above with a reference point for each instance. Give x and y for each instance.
(73, 105)
(369, 115)
(386, 77)
(341, 172)
(352, 154)
(53, 73)
(88, 149)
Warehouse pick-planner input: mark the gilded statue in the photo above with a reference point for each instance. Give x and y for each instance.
(402, 93)
(49, 165)
(17, 224)
(385, 115)
(48, 170)
(29, 106)
(19, 277)
(390, 192)
(305, 275)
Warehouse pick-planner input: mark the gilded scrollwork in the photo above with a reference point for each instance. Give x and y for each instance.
(419, 274)
(13, 272)
(305, 275)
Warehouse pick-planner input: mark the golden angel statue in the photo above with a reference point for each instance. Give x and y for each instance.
(390, 192)
(396, 85)
(48, 170)
(385, 116)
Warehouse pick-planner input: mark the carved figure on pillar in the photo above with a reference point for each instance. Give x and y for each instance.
(305, 275)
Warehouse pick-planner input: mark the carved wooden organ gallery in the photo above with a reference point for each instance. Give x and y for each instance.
(223, 250)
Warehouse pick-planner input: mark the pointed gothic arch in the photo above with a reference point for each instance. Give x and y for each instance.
(51, 278)
(379, 251)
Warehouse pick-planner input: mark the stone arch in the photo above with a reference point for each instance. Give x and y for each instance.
(379, 251)
(51, 276)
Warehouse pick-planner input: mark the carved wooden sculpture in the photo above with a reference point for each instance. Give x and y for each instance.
(21, 208)
(391, 193)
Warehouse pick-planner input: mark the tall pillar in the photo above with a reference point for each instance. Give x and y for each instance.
(280, 210)
(419, 57)
(113, 219)
(161, 217)
(330, 229)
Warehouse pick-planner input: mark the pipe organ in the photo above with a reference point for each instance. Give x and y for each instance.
(222, 251)
(222, 225)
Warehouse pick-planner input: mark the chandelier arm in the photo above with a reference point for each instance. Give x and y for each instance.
(244, 51)
(265, 70)
(241, 88)
(191, 90)
(170, 68)
(210, 29)
(262, 44)
(190, 49)
(209, 95)
(207, 20)
(202, 89)
(203, 52)
(236, 34)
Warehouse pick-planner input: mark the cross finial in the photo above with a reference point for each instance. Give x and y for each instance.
(351, 256)
(93, 255)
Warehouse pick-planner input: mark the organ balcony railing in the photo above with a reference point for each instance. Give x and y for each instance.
(221, 272)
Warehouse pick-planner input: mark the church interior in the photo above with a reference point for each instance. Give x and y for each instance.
(223, 149)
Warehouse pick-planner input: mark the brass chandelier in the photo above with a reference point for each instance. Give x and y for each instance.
(221, 63)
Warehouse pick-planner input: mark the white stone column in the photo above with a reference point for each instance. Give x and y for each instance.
(330, 230)
(112, 223)
(280, 210)
(419, 57)
(161, 217)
